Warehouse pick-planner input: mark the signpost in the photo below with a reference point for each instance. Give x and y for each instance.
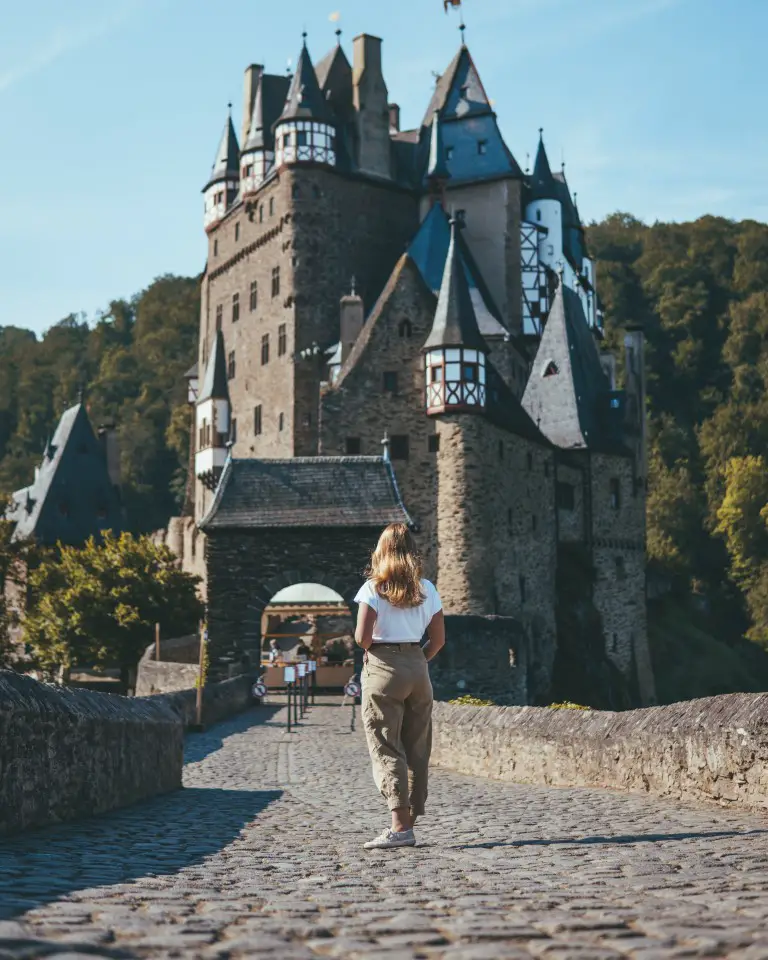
(352, 690)
(302, 669)
(259, 689)
(289, 677)
(313, 679)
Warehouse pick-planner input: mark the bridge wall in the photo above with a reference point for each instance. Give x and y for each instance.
(483, 656)
(713, 750)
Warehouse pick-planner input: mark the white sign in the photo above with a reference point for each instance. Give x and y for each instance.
(312, 666)
(259, 690)
(352, 689)
(289, 675)
(302, 669)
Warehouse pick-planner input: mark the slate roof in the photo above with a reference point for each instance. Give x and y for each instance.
(459, 92)
(306, 492)
(542, 183)
(305, 101)
(270, 99)
(438, 168)
(429, 251)
(72, 496)
(227, 162)
(215, 384)
(571, 406)
(505, 410)
(455, 323)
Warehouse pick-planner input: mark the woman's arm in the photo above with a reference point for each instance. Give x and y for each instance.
(366, 618)
(435, 635)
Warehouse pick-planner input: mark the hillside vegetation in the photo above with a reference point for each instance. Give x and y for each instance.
(700, 291)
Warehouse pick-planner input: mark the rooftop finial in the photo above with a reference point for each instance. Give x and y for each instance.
(335, 18)
(462, 29)
(229, 107)
(541, 133)
(527, 163)
(338, 35)
(304, 36)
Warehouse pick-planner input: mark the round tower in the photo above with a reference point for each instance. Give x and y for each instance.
(213, 418)
(545, 209)
(223, 185)
(306, 129)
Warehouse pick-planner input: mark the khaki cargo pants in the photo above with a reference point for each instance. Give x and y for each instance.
(397, 716)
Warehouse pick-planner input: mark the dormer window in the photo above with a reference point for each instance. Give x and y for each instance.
(482, 147)
(550, 370)
(405, 329)
(449, 153)
(464, 91)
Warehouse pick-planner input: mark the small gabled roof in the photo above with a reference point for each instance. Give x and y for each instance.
(215, 386)
(72, 497)
(543, 185)
(455, 323)
(429, 251)
(305, 100)
(267, 107)
(227, 162)
(567, 392)
(306, 492)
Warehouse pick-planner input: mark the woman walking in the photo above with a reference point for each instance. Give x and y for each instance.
(396, 608)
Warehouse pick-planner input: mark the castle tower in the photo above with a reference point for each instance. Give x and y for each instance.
(545, 209)
(213, 418)
(455, 355)
(224, 182)
(371, 103)
(258, 156)
(306, 129)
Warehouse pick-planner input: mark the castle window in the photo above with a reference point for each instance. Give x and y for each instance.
(235, 307)
(449, 153)
(237, 232)
(433, 443)
(565, 496)
(352, 446)
(405, 329)
(302, 139)
(521, 582)
(216, 248)
(254, 295)
(231, 366)
(307, 420)
(530, 461)
(469, 372)
(281, 340)
(436, 374)
(509, 518)
(550, 370)
(390, 382)
(257, 421)
(271, 206)
(280, 422)
(538, 215)
(261, 213)
(398, 448)
(233, 431)
(482, 147)
(275, 281)
(265, 350)
(621, 571)
(249, 170)
(219, 316)
(615, 494)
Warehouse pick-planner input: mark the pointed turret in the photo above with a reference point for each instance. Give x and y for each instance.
(305, 131)
(258, 156)
(543, 185)
(224, 181)
(455, 349)
(213, 417)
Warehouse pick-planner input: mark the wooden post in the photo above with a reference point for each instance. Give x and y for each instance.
(157, 643)
(199, 704)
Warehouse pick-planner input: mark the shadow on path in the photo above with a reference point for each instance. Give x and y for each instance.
(197, 746)
(31, 949)
(628, 838)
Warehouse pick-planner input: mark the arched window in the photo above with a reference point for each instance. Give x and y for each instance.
(405, 329)
(550, 370)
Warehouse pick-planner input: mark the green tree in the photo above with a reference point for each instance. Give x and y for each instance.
(98, 604)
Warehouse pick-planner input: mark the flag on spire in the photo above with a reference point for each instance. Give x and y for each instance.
(451, 3)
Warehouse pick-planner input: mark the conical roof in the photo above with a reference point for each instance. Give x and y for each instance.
(227, 162)
(305, 100)
(438, 167)
(215, 385)
(543, 184)
(267, 107)
(455, 323)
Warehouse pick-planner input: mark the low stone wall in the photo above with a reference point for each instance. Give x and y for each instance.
(73, 753)
(177, 668)
(220, 700)
(713, 750)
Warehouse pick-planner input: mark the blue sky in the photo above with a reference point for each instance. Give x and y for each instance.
(111, 112)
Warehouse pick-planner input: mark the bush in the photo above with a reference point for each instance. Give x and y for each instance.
(469, 701)
(567, 705)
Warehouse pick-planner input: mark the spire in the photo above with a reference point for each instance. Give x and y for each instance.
(455, 323)
(438, 168)
(305, 100)
(543, 185)
(227, 162)
(215, 384)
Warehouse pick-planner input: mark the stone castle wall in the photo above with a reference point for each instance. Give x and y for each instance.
(713, 750)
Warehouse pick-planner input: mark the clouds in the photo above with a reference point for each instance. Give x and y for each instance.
(64, 39)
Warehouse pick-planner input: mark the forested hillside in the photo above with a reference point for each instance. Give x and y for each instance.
(130, 364)
(701, 292)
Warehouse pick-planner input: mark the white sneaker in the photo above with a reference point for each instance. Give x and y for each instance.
(390, 838)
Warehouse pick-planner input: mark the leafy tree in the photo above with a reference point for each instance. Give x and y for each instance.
(98, 604)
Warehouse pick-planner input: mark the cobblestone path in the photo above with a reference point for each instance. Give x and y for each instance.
(260, 856)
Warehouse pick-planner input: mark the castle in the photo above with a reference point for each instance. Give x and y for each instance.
(403, 324)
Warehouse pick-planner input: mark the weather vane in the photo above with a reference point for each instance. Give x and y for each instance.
(451, 3)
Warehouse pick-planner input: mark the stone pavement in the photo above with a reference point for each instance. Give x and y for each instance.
(260, 856)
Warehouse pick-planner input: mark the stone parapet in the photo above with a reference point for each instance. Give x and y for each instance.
(713, 750)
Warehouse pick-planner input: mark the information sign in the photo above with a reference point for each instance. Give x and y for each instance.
(302, 669)
(289, 675)
(312, 666)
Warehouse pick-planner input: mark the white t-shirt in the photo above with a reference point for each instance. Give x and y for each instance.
(400, 624)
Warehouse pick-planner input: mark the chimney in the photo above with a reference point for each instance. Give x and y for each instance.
(352, 319)
(252, 77)
(394, 118)
(371, 104)
(109, 444)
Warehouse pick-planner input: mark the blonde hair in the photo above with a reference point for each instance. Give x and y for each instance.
(396, 567)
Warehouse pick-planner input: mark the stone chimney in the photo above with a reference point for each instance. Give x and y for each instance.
(109, 444)
(371, 103)
(394, 118)
(252, 77)
(352, 319)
